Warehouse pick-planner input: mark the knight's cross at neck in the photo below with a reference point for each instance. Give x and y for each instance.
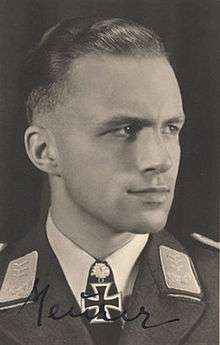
(101, 298)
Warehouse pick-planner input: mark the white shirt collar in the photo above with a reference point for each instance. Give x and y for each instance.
(75, 262)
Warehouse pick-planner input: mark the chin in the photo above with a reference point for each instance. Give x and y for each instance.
(139, 227)
(149, 224)
(148, 229)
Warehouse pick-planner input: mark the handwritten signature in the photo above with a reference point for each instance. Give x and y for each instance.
(53, 312)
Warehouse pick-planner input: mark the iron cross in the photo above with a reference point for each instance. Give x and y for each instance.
(102, 304)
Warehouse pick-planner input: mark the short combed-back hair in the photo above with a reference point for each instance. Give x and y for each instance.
(47, 65)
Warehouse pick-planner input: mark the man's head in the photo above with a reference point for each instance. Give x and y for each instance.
(105, 113)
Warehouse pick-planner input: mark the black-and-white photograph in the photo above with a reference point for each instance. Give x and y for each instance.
(109, 172)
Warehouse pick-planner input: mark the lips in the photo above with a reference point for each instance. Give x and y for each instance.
(151, 195)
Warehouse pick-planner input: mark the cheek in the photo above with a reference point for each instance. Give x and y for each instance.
(85, 162)
(176, 161)
(176, 154)
(173, 148)
(97, 154)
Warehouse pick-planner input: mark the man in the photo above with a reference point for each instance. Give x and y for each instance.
(105, 113)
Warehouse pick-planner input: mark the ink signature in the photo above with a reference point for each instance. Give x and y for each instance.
(53, 312)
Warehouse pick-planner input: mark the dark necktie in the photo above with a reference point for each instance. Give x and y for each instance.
(103, 304)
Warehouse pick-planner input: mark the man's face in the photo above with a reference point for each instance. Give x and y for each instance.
(117, 138)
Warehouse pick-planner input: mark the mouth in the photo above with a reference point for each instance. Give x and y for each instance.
(151, 195)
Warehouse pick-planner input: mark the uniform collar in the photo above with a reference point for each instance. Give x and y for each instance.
(150, 291)
(68, 254)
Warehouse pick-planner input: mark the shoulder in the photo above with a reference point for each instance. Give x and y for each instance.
(2, 246)
(204, 254)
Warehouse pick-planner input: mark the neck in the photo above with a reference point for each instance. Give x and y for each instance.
(92, 236)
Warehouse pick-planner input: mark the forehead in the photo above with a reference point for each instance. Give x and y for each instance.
(103, 84)
(96, 71)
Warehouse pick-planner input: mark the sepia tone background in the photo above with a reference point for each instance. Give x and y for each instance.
(190, 30)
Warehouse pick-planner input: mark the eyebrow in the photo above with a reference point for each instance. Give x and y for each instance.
(177, 119)
(118, 120)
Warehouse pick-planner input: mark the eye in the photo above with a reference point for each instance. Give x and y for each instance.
(127, 131)
(171, 129)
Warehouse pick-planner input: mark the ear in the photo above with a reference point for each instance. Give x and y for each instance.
(41, 149)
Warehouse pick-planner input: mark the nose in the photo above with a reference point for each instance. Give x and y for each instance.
(152, 152)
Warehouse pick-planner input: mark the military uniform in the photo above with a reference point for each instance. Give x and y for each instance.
(178, 289)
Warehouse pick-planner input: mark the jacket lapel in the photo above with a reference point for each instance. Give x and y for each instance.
(20, 323)
(172, 314)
